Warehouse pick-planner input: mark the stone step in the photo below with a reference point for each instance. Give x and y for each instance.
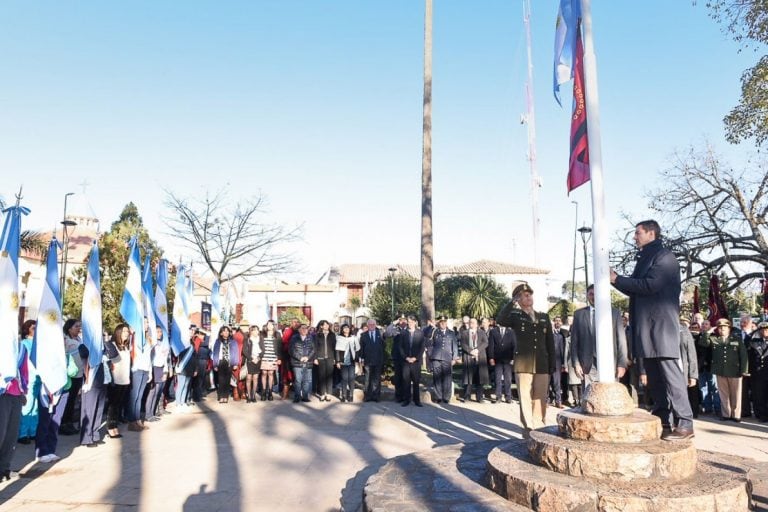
(444, 479)
(638, 427)
(719, 484)
(612, 461)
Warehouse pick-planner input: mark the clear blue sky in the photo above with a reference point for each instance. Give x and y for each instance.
(318, 104)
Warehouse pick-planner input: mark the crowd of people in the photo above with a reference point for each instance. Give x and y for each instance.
(724, 369)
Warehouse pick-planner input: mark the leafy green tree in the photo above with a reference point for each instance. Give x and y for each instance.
(746, 21)
(113, 265)
(579, 291)
(407, 299)
(291, 314)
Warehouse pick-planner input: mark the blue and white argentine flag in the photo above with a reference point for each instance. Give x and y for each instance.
(91, 316)
(132, 305)
(149, 308)
(48, 344)
(215, 309)
(180, 324)
(161, 300)
(9, 295)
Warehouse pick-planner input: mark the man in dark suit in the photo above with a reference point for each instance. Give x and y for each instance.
(474, 343)
(584, 344)
(372, 358)
(500, 355)
(409, 344)
(654, 310)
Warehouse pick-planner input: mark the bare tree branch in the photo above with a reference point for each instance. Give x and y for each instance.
(233, 239)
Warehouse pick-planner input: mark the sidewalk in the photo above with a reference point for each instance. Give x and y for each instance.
(277, 456)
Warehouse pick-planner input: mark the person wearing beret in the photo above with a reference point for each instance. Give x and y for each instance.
(758, 369)
(534, 354)
(654, 309)
(729, 364)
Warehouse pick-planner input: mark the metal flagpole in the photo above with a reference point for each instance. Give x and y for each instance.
(600, 265)
(530, 120)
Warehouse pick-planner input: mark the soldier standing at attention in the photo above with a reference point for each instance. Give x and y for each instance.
(442, 353)
(534, 354)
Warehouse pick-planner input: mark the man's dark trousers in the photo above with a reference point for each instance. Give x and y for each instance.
(411, 378)
(667, 385)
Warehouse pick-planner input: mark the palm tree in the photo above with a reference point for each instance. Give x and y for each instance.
(484, 297)
(354, 303)
(427, 264)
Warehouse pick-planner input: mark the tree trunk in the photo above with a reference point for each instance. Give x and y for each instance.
(427, 264)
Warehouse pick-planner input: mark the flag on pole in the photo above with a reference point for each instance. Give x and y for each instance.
(132, 305)
(568, 15)
(765, 299)
(48, 354)
(578, 164)
(91, 316)
(180, 324)
(215, 309)
(696, 300)
(161, 300)
(717, 309)
(9, 294)
(148, 295)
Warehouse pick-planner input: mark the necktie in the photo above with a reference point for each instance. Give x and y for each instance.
(474, 339)
(592, 316)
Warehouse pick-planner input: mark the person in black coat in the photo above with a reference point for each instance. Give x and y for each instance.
(325, 358)
(501, 355)
(372, 358)
(654, 308)
(409, 344)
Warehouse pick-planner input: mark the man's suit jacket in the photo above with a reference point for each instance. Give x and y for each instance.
(584, 344)
(372, 348)
(407, 347)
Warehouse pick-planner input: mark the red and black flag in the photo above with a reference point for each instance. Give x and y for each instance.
(578, 166)
(696, 300)
(717, 309)
(765, 295)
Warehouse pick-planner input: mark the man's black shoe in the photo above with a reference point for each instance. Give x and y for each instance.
(296, 400)
(417, 404)
(406, 404)
(305, 399)
(680, 434)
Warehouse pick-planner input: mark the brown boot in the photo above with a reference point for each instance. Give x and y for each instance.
(286, 391)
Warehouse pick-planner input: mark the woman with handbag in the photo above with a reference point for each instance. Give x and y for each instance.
(347, 347)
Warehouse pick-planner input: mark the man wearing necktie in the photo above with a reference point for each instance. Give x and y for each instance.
(410, 345)
(584, 343)
(372, 358)
(474, 343)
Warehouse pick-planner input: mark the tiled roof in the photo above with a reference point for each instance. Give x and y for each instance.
(362, 273)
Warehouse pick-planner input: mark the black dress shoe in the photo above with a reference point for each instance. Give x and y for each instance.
(296, 400)
(680, 434)
(405, 404)
(417, 404)
(736, 420)
(25, 440)
(305, 399)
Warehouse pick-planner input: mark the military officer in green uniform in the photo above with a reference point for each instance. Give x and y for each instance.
(729, 364)
(534, 354)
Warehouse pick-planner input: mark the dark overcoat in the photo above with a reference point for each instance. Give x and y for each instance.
(654, 302)
(481, 361)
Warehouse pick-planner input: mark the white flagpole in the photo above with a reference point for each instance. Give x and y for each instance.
(600, 266)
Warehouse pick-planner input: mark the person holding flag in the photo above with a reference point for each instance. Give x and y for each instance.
(13, 376)
(92, 351)
(54, 367)
(132, 310)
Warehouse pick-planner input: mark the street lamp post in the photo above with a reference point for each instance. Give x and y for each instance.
(392, 271)
(573, 275)
(65, 240)
(586, 234)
